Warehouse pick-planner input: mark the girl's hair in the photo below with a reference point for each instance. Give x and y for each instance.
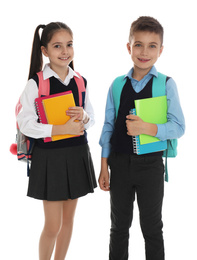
(146, 23)
(36, 61)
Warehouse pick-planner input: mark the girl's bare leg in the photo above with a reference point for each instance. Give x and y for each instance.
(53, 219)
(64, 236)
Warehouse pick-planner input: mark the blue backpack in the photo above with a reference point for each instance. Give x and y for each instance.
(158, 89)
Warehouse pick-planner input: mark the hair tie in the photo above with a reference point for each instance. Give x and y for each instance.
(42, 26)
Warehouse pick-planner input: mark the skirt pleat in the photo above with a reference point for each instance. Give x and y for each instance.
(61, 174)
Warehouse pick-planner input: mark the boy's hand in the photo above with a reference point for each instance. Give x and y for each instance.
(135, 125)
(104, 181)
(75, 111)
(104, 175)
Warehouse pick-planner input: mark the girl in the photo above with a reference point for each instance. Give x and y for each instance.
(61, 171)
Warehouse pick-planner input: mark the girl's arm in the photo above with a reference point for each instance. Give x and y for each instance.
(72, 126)
(86, 114)
(27, 118)
(89, 111)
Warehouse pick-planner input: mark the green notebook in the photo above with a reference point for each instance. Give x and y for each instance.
(151, 110)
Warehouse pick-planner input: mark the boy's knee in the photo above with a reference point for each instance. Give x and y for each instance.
(151, 228)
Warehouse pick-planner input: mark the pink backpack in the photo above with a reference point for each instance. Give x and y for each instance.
(24, 145)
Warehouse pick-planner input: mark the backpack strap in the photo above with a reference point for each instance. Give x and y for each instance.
(81, 88)
(117, 87)
(159, 85)
(17, 110)
(159, 89)
(170, 152)
(44, 85)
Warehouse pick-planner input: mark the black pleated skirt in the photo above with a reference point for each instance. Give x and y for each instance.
(61, 174)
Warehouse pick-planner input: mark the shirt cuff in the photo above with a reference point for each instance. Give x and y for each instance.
(85, 116)
(46, 130)
(50, 130)
(105, 152)
(161, 132)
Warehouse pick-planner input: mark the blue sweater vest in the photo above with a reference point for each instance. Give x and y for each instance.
(120, 141)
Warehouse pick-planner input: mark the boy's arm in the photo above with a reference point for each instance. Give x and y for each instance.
(175, 127)
(104, 142)
(136, 126)
(104, 175)
(108, 126)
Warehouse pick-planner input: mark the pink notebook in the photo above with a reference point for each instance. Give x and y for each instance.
(41, 111)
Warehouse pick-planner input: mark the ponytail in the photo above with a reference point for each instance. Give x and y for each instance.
(36, 61)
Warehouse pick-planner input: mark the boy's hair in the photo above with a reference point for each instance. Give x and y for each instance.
(146, 23)
(36, 61)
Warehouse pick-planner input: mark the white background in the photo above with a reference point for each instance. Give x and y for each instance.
(101, 30)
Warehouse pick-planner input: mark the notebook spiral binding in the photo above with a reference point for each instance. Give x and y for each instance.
(134, 139)
(38, 111)
(135, 144)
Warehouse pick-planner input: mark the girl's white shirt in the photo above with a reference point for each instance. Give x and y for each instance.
(28, 119)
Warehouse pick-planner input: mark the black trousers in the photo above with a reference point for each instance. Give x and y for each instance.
(142, 176)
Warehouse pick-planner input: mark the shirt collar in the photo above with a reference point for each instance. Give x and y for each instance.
(152, 72)
(48, 73)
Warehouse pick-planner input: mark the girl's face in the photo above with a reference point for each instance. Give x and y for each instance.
(145, 48)
(59, 50)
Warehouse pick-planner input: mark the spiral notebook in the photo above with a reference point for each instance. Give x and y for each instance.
(52, 110)
(151, 110)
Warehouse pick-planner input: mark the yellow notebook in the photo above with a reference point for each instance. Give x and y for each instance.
(55, 111)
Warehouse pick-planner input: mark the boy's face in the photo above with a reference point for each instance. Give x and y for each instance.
(144, 48)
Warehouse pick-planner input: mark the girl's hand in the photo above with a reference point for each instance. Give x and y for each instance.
(75, 111)
(73, 126)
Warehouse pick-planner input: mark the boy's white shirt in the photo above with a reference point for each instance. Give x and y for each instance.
(28, 119)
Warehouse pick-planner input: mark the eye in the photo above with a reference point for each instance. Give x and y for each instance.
(70, 45)
(152, 46)
(138, 45)
(57, 46)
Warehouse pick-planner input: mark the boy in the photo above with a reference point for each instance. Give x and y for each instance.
(132, 174)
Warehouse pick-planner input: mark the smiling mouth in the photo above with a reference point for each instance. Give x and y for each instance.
(64, 58)
(143, 60)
